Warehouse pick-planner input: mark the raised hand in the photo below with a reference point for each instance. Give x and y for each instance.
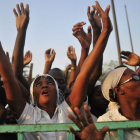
(107, 25)
(68, 67)
(71, 53)
(94, 19)
(27, 58)
(49, 56)
(22, 18)
(132, 58)
(88, 130)
(79, 33)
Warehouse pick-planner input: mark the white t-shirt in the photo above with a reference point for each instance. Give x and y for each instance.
(114, 115)
(34, 115)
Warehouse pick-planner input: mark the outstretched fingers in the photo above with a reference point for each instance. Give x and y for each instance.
(76, 32)
(81, 117)
(77, 28)
(124, 57)
(89, 30)
(22, 7)
(15, 13)
(18, 9)
(80, 24)
(99, 7)
(74, 132)
(27, 8)
(107, 9)
(88, 114)
(103, 131)
(48, 51)
(75, 121)
(126, 53)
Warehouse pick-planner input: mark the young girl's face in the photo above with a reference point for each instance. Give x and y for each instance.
(44, 91)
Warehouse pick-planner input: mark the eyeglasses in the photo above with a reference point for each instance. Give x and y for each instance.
(134, 77)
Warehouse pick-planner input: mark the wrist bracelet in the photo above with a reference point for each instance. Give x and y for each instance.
(73, 68)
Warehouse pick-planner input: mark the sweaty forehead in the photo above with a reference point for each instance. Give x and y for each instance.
(56, 74)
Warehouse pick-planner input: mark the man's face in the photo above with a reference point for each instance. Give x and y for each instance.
(60, 78)
(98, 101)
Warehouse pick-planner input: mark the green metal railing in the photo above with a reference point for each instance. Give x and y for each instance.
(20, 129)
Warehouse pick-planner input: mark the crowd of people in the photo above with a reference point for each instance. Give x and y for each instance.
(52, 97)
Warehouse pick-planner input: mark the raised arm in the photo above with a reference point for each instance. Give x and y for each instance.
(132, 59)
(85, 41)
(27, 58)
(82, 80)
(72, 56)
(49, 58)
(96, 25)
(24, 91)
(30, 74)
(12, 89)
(66, 72)
(22, 20)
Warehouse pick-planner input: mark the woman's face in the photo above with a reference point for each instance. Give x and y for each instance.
(44, 91)
(131, 89)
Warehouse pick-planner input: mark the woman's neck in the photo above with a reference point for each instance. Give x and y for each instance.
(130, 110)
(49, 108)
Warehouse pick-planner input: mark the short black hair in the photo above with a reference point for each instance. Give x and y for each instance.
(57, 70)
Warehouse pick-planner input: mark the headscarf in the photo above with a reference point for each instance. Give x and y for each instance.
(98, 83)
(60, 95)
(110, 81)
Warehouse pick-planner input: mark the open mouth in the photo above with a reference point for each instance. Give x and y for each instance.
(46, 93)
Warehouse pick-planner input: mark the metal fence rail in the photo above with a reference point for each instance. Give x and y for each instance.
(119, 126)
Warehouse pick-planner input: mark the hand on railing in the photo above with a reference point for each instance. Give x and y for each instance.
(88, 130)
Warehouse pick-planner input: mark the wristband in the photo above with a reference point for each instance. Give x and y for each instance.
(73, 68)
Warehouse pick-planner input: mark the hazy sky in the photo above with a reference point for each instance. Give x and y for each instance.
(51, 23)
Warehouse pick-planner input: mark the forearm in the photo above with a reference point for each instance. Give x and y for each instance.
(73, 72)
(95, 55)
(98, 70)
(47, 67)
(96, 34)
(13, 92)
(18, 53)
(84, 54)
(18, 57)
(30, 74)
(94, 77)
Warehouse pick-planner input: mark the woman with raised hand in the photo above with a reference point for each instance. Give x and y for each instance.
(45, 93)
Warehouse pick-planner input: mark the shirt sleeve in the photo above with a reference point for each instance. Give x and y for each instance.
(27, 116)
